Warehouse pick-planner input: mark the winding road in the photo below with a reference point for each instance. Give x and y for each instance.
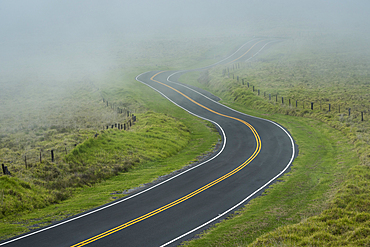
(254, 153)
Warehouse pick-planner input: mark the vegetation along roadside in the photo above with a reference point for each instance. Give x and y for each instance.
(105, 163)
(323, 200)
(330, 158)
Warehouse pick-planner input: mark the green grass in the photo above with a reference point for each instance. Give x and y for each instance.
(183, 148)
(158, 140)
(326, 188)
(323, 200)
(344, 223)
(158, 136)
(163, 140)
(325, 156)
(58, 112)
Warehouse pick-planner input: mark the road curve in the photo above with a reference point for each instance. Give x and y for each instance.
(254, 153)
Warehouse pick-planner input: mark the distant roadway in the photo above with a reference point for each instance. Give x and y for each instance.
(254, 153)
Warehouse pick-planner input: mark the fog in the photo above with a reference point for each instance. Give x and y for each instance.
(48, 46)
(54, 36)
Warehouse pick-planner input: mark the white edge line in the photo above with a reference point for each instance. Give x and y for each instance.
(141, 192)
(261, 49)
(230, 55)
(248, 197)
(256, 191)
(154, 186)
(222, 59)
(183, 85)
(241, 202)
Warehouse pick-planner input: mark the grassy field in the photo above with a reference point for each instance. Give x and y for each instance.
(322, 201)
(325, 157)
(100, 168)
(149, 166)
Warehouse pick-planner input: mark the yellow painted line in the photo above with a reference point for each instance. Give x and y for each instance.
(190, 195)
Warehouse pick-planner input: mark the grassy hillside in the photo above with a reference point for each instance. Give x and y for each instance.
(326, 188)
(130, 159)
(322, 201)
(91, 162)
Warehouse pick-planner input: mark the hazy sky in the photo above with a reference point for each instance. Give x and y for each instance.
(50, 33)
(67, 19)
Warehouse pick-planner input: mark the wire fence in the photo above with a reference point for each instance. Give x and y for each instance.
(317, 105)
(56, 154)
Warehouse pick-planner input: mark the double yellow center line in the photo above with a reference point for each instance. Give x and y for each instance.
(192, 194)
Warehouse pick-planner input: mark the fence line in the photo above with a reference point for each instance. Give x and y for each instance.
(313, 105)
(124, 125)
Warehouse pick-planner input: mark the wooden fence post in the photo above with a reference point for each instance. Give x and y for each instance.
(311, 105)
(5, 170)
(52, 155)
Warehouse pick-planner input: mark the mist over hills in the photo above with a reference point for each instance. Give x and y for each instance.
(46, 47)
(29, 29)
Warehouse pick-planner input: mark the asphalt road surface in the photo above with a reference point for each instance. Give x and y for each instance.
(253, 154)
